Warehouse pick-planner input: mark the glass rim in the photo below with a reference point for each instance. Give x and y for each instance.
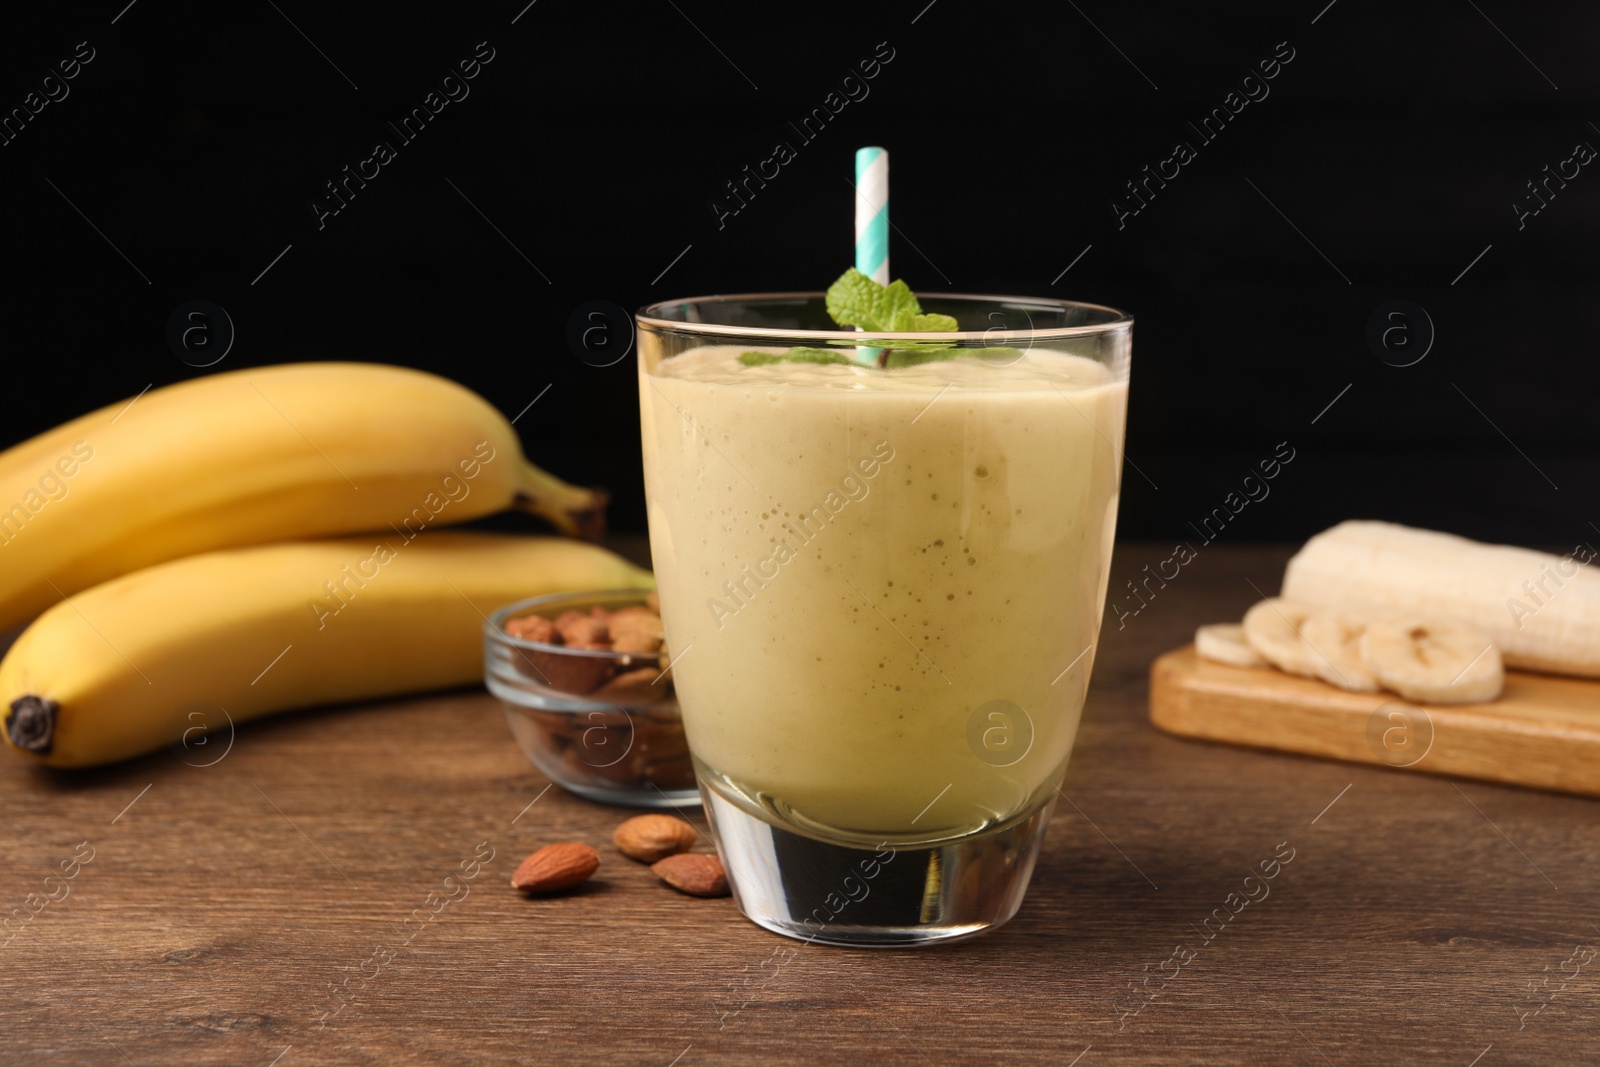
(649, 316)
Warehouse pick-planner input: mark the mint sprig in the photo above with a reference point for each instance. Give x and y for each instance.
(856, 300)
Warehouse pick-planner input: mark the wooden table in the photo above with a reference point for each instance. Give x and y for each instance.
(1420, 920)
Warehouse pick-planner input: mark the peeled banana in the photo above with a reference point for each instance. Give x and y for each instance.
(107, 674)
(252, 456)
(1540, 611)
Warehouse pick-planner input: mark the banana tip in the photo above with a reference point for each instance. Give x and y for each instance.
(31, 725)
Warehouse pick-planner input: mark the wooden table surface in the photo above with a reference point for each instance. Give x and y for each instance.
(250, 912)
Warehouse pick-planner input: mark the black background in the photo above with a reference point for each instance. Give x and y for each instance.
(1395, 143)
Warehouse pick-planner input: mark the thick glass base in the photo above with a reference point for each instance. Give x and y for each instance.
(896, 893)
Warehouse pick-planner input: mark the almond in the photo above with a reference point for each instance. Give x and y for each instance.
(576, 628)
(694, 873)
(648, 838)
(565, 672)
(634, 687)
(534, 628)
(556, 867)
(635, 642)
(637, 621)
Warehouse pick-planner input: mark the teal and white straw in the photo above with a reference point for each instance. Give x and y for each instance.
(872, 223)
(872, 214)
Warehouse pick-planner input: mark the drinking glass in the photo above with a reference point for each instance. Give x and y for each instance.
(882, 563)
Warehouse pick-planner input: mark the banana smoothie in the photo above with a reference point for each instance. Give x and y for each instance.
(882, 588)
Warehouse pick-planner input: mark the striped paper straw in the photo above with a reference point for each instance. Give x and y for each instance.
(872, 214)
(872, 223)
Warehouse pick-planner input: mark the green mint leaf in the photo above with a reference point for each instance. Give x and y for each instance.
(897, 307)
(856, 300)
(799, 354)
(818, 355)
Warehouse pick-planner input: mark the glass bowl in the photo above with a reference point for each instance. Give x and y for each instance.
(600, 723)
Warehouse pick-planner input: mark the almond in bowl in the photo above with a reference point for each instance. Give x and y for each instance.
(588, 694)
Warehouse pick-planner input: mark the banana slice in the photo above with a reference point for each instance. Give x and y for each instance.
(1273, 629)
(1225, 643)
(1438, 663)
(1335, 642)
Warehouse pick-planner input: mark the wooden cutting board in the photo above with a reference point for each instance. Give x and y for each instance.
(1543, 732)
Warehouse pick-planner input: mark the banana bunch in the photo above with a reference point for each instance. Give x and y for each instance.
(230, 636)
(131, 530)
(1434, 617)
(254, 456)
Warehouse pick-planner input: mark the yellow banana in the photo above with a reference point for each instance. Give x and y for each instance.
(252, 456)
(109, 674)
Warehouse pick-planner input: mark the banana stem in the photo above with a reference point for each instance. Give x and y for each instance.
(575, 511)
